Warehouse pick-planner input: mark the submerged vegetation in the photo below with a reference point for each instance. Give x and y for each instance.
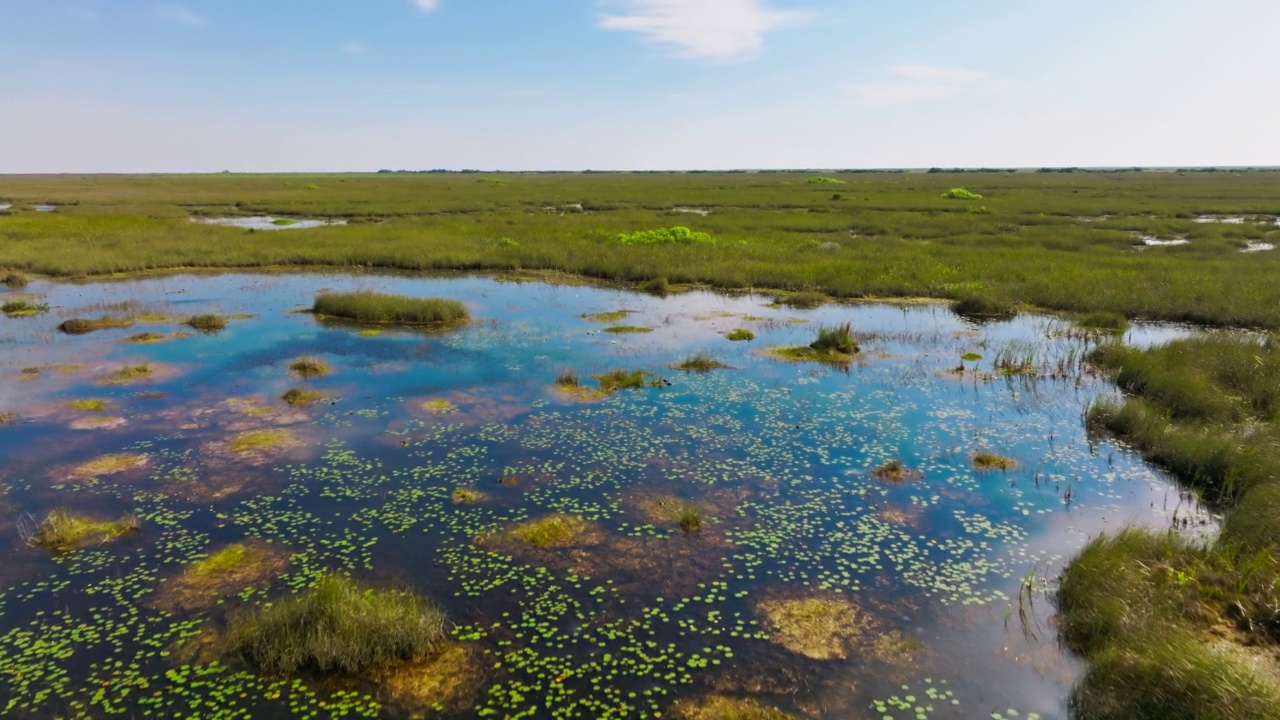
(338, 625)
(550, 531)
(372, 307)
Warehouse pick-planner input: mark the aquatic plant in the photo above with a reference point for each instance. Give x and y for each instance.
(22, 308)
(690, 518)
(373, 307)
(129, 373)
(894, 471)
(983, 307)
(699, 362)
(466, 496)
(338, 625)
(740, 335)
(81, 326)
(110, 465)
(567, 379)
(723, 707)
(1105, 320)
(816, 627)
(15, 280)
(230, 570)
(310, 367)
(63, 530)
(960, 193)
(992, 461)
(835, 339)
(624, 329)
(208, 323)
(439, 406)
(607, 317)
(666, 236)
(618, 378)
(88, 405)
(550, 531)
(301, 396)
(802, 300)
(260, 440)
(147, 338)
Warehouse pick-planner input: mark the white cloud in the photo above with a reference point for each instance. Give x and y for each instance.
(915, 84)
(723, 30)
(426, 5)
(181, 15)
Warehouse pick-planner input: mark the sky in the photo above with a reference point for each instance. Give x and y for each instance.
(316, 85)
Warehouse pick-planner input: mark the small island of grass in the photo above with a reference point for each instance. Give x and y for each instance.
(834, 344)
(700, 363)
(371, 307)
(62, 530)
(83, 326)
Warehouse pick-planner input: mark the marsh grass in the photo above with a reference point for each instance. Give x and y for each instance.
(1104, 320)
(208, 323)
(658, 286)
(110, 465)
(960, 193)
(338, 625)
(146, 338)
(690, 518)
(301, 397)
(372, 307)
(88, 405)
(259, 440)
(445, 681)
(550, 531)
(619, 379)
(15, 280)
(723, 707)
(23, 308)
(699, 362)
(740, 335)
(228, 571)
(992, 461)
(627, 329)
(608, 317)
(439, 406)
(820, 628)
(666, 236)
(83, 326)
(466, 496)
(983, 307)
(63, 530)
(801, 300)
(894, 472)
(129, 373)
(310, 367)
(568, 379)
(834, 345)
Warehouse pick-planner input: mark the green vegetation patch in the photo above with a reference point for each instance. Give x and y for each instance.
(447, 681)
(208, 323)
(224, 573)
(129, 374)
(619, 379)
(110, 465)
(607, 317)
(666, 236)
(983, 307)
(466, 496)
(960, 193)
(301, 397)
(23, 308)
(700, 362)
(310, 367)
(802, 300)
(88, 405)
(822, 180)
(820, 628)
(1104, 320)
(147, 338)
(992, 461)
(63, 530)
(834, 344)
(15, 280)
(260, 440)
(894, 472)
(723, 707)
(625, 329)
(555, 530)
(372, 307)
(439, 406)
(740, 335)
(338, 625)
(83, 326)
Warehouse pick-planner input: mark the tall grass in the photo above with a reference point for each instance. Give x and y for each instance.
(338, 625)
(373, 307)
(835, 339)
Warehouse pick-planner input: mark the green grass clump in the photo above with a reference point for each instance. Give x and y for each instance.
(621, 379)
(699, 362)
(208, 323)
(740, 335)
(1106, 320)
(63, 530)
(820, 180)
(835, 339)
(372, 307)
(338, 625)
(550, 531)
(129, 373)
(226, 560)
(568, 379)
(608, 317)
(23, 308)
(657, 286)
(983, 307)
(81, 326)
(960, 193)
(147, 338)
(284, 222)
(690, 518)
(466, 496)
(666, 236)
(14, 280)
(626, 329)
(802, 300)
(992, 461)
(88, 405)
(260, 440)
(310, 367)
(301, 397)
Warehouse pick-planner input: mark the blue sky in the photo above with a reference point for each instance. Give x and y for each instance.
(276, 85)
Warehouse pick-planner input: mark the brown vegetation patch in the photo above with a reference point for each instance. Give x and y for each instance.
(109, 465)
(723, 707)
(448, 681)
(821, 628)
(202, 584)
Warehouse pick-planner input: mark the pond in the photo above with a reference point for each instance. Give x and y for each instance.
(820, 578)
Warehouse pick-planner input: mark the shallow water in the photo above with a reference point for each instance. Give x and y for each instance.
(44, 208)
(267, 222)
(636, 615)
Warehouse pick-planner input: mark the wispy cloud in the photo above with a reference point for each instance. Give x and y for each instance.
(915, 84)
(426, 5)
(181, 15)
(721, 30)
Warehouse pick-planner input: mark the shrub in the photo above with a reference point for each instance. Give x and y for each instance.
(663, 236)
(338, 625)
(371, 307)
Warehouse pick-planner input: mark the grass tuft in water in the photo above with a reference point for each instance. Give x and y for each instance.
(301, 397)
(1105, 320)
(700, 362)
(338, 625)
(88, 405)
(690, 518)
(260, 440)
(740, 335)
(657, 286)
(992, 461)
(129, 373)
(147, 338)
(208, 323)
(82, 326)
(23, 308)
(801, 300)
(568, 379)
(372, 307)
(621, 379)
(110, 465)
(63, 530)
(835, 339)
(608, 317)
(983, 307)
(624, 329)
(817, 627)
(15, 280)
(894, 472)
(466, 496)
(310, 367)
(550, 531)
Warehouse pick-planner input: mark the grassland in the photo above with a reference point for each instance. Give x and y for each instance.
(1060, 241)
(1172, 626)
